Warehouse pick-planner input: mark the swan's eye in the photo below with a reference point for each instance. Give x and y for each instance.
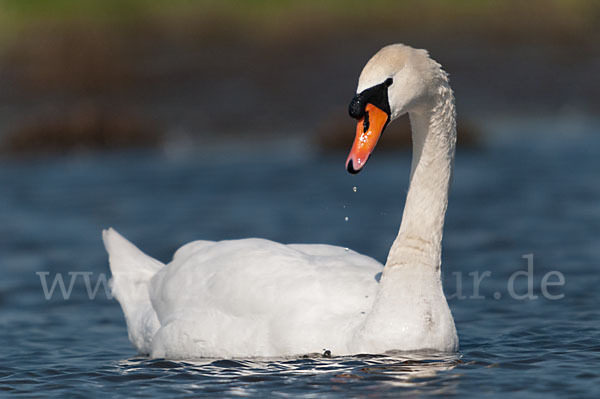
(388, 82)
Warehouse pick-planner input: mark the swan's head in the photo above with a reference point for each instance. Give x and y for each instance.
(396, 80)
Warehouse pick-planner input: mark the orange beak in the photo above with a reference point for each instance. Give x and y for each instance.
(368, 131)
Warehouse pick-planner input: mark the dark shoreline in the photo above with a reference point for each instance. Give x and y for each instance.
(218, 71)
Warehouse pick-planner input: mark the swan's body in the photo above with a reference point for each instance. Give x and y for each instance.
(255, 297)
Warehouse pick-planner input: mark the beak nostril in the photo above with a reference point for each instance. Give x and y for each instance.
(366, 122)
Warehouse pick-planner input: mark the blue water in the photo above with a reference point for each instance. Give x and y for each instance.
(520, 195)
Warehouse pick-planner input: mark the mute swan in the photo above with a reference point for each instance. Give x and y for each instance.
(253, 297)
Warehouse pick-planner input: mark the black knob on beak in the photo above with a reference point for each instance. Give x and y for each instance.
(357, 106)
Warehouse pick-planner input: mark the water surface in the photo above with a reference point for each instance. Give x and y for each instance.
(516, 196)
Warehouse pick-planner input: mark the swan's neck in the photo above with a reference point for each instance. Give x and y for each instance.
(419, 241)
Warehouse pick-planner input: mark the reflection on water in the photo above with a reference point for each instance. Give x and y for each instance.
(406, 370)
(414, 370)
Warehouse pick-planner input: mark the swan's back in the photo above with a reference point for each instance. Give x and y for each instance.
(255, 297)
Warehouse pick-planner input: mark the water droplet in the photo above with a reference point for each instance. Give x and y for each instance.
(346, 249)
(346, 218)
(354, 188)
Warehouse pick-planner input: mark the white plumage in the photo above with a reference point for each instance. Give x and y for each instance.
(254, 297)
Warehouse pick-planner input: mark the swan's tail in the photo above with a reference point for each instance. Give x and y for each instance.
(131, 271)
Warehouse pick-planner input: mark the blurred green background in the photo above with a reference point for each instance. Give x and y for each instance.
(102, 74)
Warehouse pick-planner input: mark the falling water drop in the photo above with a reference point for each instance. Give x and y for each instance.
(354, 189)
(346, 218)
